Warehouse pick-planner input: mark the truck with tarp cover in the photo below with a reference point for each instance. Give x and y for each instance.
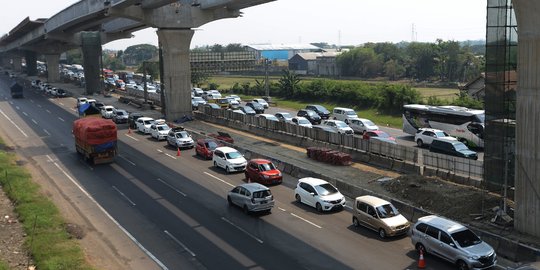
(95, 139)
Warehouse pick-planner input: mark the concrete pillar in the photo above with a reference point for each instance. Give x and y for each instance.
(53, 72)
(31, 63)
(176, 71)
(17, 63)
(527, 181)
(91, 50)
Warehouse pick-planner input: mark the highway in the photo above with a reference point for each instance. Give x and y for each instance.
(174, 207)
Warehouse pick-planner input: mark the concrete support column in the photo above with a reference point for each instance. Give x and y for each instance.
(91, 50)
(53, 71)
(527, 182)
(17, 63)
(176, 71)
(31, 63)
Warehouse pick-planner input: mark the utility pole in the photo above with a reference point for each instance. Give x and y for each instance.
(266, 89)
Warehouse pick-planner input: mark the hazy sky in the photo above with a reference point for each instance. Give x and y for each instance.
(341, 22)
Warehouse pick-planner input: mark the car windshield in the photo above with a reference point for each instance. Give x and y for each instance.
(271, 117)
(248, 109)
(382, 135)
(311, 113)
(303, 121)
(262, 194)
(266, 167)
(319, 108)
(369, 123)
(350, 113)
(233, 155)
(466, 238)
(211, 145)
(341, 124)
(460, 146)
(148, 122)
(120, 113)
(326, 189)
(387, 211)
(163, 128)
(286, 115)
(181, 134)
(441, 134)
(198, 99)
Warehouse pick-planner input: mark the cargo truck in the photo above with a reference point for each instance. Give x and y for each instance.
(16, 90)
(95, 139)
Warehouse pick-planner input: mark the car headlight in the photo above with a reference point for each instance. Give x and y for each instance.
(475, 257)
(279, 174)
(266, 176)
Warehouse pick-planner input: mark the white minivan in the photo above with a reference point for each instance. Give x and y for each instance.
(229, 159)
(343, 114)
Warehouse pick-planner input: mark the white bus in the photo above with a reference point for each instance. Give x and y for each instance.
(465, 124)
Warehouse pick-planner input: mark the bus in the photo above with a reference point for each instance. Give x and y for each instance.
(465, 124)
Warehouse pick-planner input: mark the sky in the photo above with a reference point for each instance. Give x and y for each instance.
(339, 22)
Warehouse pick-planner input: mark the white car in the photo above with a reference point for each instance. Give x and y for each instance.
(235, 97)
(343, 114)
(159, 131)
(301, 121)
(361, 125)
(319, 194)
(425, 136)
(229, 159)
(144, 123)
(262, 102)
(107, 111)
(180, 138)
(268, 117)
(338, 126)
(284, 117)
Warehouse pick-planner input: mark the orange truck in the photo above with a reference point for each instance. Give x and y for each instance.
(95, 139)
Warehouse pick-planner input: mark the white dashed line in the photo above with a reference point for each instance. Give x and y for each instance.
(297, 216)
(219, 179)
(129, 161)
(47, 111)
(73, 109)
(282, 209)
(159, 150)
(60, 118)
(61, 103)
(171, 187)
(132, 137)
(242, 230)
(123, 195)
(169, 155)
(180, 243)
(34, 121)
(25, 114)
(39, 106)
(44, 130)
(17, 107)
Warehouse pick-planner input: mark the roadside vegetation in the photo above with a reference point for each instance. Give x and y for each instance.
(48, 242)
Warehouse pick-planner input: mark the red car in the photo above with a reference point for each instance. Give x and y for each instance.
(378, 133)
(222, 136)
(205, 148)
(262, 171)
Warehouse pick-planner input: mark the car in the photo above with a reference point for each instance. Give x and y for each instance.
(269, 117)
(262, 171)
(198, 92)
(159, 131)
(107, 111)
(390, 140)
(132, 119)
(424, 136)
(144, 123)
(222, 136)
(320, 110)
(233, 103)
(318, 193)
(205, 148)
(12, 75)
(257, 107)
(453, 148)
(44, 86)
(251, 197)
(81, 100)
(236, 97)
(61, 92)
(284, 117)
(179, 138)
(324, 128)
(35, 83)
(339, 126)
(453, 242)
(212, 105)
(98, 104)
(310, 115)
(343, 114)
(361, 125)
(262, 102)
(238, 111)
(229, 159)
(247, 110)
(377, 133)
(53, 91)
(195, 101)
(222, 102)
(301, 121)
(379, 215)
(119, 116)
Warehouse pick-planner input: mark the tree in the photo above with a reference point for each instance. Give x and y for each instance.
(393, 70)
(360, 62)
(421, 60)
(198, 78)
(289, 83)
(136, 54)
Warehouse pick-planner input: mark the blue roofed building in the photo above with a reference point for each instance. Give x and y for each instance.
(280, 52)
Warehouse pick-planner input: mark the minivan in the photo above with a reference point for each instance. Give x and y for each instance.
(453, 148)
(251, 197)
(229, 159)
(453, 242)
(379, 215)
(343, 114)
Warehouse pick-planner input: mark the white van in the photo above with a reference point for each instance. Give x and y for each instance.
(229, 159)
(343, 114)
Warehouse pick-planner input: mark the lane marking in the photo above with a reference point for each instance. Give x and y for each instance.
(17, 107)
(61, 103)
(129, 161)
(169, 155)
(159, 150)
(32, 100)
(47, 111)
(34, 121)
(297, 216)
(180, 243)
(60, 118)
(219, 179)
(282, 209)
(25, 114)
(73, 110)
(11, 121)
(171, 187)
(39, 106)
(154, 258)
(132, 137)
(124, 195)
(242, 230)
(47, 132)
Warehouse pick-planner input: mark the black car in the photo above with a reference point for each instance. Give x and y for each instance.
(454, 148)
(132, 119)
(257, 107)
(320, 110)
(310, 115)
(247, 110)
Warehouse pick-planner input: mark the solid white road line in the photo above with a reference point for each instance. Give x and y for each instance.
(306, 220)
(132, 137)
(171, 187)
(124, 195)
(242, 230)
(180, 243)
(129, 161)
(11, 121)
(217, 178)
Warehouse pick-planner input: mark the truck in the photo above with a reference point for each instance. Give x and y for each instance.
(96, 139)
(16, 90)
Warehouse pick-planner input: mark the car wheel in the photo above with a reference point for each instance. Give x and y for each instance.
(319, 207)
(246, 210)
(461, 265)
(420, 143)
(382, 233)
(419, 247)
(215, 164)
(248, 179)
(355, 222)
(229, 201)
(227, 169)
(298, 199)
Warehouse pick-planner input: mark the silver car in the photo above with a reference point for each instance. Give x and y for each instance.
(453, 242)
(251, 197)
